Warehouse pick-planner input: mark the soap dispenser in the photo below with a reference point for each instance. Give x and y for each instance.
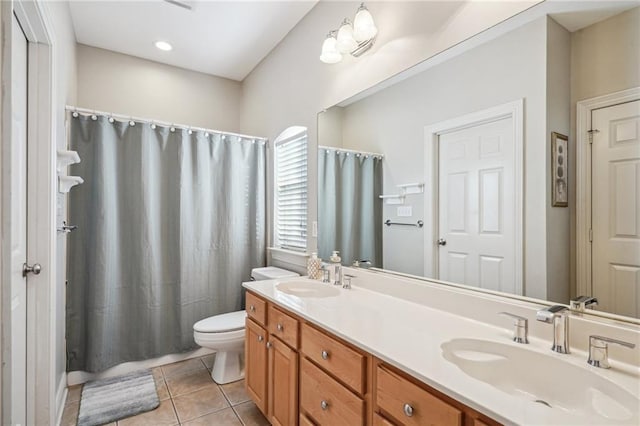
(313, 266)
(337, 267)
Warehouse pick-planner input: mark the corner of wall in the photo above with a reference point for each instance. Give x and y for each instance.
(61, 397)
(558, 119)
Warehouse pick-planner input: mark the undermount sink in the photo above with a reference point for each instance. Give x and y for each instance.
(307, 288)
(545, 380)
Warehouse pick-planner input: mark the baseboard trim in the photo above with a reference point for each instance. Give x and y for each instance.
(79, 377)
(61, 398)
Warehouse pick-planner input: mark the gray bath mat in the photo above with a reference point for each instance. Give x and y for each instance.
(106, 400)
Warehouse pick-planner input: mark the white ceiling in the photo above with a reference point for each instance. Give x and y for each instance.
(223, 38)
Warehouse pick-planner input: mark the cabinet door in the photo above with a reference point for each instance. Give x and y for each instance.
(283, 383)
(256, 373)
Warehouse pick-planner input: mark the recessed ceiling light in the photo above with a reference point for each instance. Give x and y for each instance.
(163, 45)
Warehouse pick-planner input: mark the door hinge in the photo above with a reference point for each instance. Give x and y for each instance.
(590, 235)
(590, 133)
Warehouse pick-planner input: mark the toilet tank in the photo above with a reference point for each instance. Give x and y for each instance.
(271, 273)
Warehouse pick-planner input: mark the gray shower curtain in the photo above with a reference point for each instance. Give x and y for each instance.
(169, 225)
(349, 206)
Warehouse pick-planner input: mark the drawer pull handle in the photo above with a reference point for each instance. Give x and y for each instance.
(269, 344)
(325, 354)
(324, 405)
(252, 308)
(260, 338)
(279, 327)
(408, 410)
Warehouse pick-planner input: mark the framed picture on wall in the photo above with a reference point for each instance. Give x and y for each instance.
(559, 170)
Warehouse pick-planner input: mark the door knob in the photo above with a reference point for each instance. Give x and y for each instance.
(35, 269)
(442, 242)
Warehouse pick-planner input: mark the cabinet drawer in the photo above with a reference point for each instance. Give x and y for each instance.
(335, 357)
(256, 309)
(378, 420)
(284, 326)
(304, 421)
(325, 400)
(410, 404)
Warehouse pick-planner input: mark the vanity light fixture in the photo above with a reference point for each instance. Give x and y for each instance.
(351, 38)
(163, 45)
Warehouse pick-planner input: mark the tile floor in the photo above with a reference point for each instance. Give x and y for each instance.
(188, 396)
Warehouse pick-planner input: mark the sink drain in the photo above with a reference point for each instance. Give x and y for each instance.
(539, 401)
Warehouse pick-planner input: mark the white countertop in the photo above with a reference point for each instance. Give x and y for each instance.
(409, 336)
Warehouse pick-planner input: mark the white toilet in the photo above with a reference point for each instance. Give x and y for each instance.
(225, 333)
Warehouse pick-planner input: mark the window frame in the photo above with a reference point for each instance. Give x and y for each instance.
(277, 240)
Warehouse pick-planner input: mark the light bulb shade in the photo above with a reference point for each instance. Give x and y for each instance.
(363, 26)
(330, 54)
(346, 41)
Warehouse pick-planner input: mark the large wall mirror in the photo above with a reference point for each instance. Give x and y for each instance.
(479, 169)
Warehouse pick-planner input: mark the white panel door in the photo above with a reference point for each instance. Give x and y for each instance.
(477, 207)
(18, 231)
(616, 208)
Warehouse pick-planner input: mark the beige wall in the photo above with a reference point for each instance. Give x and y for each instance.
(605, 57)
(558, 119)
(122, 84)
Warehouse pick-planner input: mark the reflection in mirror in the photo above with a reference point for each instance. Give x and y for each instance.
(475, 133)
(349, 205)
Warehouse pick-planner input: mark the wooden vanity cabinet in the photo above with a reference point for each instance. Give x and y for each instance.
(271, 361)
(334, 386)
(297, 373)
(283, 367)
(256, 363)
(403, 400)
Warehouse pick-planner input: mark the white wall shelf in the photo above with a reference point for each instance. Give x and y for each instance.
(411, 188)
(66, 158)
(65, 183)
(393, 198)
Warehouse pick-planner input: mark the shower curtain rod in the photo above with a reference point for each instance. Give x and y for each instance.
(333, 148)
(157, 122)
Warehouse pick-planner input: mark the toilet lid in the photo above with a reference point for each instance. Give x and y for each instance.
(221, 323)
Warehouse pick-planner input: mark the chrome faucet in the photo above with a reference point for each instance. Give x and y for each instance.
(599, 350)
(557, 315)
(581, 303)
(347, 281)
(521, 327)
(364, 264)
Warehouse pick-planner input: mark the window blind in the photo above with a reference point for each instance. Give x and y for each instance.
(291, 193)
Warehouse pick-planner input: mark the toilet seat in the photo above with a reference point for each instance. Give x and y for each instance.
(223, 323)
